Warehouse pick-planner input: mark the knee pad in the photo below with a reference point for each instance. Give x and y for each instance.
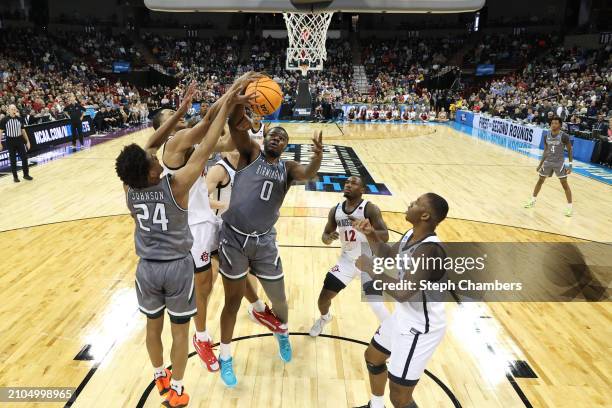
(376, 369)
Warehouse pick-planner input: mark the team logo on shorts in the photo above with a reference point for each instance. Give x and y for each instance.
(335, 269)
(205, 257)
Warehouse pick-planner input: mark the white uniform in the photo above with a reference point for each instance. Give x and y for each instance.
(202, 221)
(414, 329)
(258, 136)
(353, 243)
(224, 192)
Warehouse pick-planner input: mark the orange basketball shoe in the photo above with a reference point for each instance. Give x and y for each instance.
(176, 400)
(163, 382)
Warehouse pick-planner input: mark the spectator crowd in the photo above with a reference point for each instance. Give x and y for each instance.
(41, 72)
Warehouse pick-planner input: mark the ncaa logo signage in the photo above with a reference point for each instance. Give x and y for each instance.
(338, 164)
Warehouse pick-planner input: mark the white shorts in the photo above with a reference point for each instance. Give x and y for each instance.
(409, 350)
(345, 270)
(205, 243)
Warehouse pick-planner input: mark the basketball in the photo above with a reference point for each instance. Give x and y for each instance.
(268, 96)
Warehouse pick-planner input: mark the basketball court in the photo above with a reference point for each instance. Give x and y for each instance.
(70, 316)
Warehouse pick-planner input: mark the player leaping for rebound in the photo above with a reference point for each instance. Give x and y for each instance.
(248, 237)
(165, 272)
(353, 242)
(202, 221)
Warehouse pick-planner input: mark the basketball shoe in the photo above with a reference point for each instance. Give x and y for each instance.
(206, 353)
(267, 319)
(284, 346)
(227, 372)
(176, 400)
(162, 382)
(317, 327)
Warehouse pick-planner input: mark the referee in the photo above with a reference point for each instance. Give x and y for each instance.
(12, 124)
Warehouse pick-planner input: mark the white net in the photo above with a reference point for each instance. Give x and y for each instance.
(307, 34)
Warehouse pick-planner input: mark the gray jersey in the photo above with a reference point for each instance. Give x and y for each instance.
(161, 232)
(555, 147)
(257, 195)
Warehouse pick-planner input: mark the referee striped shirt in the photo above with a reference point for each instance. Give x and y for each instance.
(12, 126)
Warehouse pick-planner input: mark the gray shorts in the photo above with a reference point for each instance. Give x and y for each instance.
(168, 285)
(547, 170)
(238, 252)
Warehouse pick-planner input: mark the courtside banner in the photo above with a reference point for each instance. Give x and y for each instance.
(464, 117)
(524, 133)
(48, 134)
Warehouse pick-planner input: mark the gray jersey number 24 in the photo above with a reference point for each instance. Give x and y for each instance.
(159, 216)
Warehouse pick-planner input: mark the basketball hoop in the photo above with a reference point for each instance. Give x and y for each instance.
(307, 32)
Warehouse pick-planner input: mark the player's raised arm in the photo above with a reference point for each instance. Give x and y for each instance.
(188, 174)
(239, 125)
(329, 233)
(225, 143)
(372, 212)
(302, 173)
(158, 138)
(193, 136)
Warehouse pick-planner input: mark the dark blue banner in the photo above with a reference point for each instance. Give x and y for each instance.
(485, 69)
(121, 66)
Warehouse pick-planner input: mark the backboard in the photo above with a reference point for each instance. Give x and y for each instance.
(275, 6)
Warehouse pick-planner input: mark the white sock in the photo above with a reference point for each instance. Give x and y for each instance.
(225, 351)
(159, 371)
(377, 402)
(203, 336)
(259, 306)
(177, 385)
(569, 205)
(533, 199)
(326, 316)
(285, 327)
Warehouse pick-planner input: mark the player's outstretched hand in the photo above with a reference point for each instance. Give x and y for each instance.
(246, 100)
(188, 97)
(317, 142)
(364, 263)
(364, 226)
